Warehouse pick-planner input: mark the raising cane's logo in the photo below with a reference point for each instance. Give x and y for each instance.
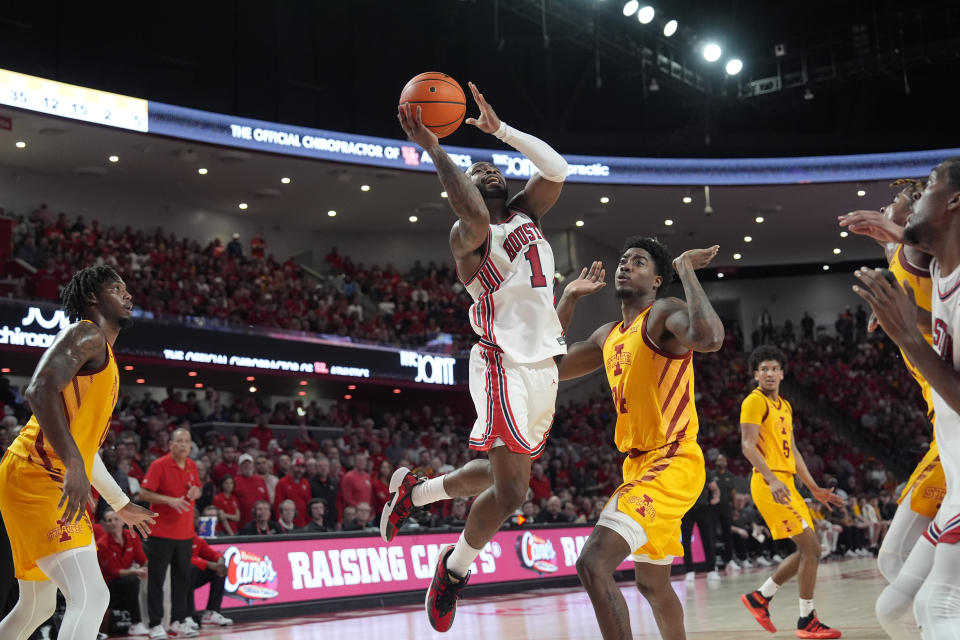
(536, 553)
(250, 576)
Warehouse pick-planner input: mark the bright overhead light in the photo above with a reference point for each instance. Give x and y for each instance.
(836, 251)
(579, 223)
(670, 28)
(844, 234)
(140, 380)
(253, 389)
(861, 193)
(734, 66)
(191, 374)
(332, 213)
(668, 222)
(687, 199)
(758, 219)
(712, 52)
(285, 180)
(21, 144)
(413, 218)
(114, 158)
(443, 194)
(202, 171)
(645, 14)
(748, 238)
(631, 7)
(304, 383)
(826, 267)
(242, 205)
(737, 256)
(348, 397)
(396, 390)
(198, 385)
(301, 393)
(719, 274)
(604, 200)
(351, 387)
(364, 187)
(250, 378)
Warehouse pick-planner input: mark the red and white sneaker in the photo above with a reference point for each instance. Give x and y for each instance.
(400, 505)
(443, 593)
(811, 627)
(758, 606)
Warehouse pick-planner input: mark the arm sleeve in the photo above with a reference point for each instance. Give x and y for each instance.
(107, 486)
(549, 163)
(753, 410)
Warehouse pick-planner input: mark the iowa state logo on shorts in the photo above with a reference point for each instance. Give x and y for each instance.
(250, 576)
(66, 530)
(536, 553)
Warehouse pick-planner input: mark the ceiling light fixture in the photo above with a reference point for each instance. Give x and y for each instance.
(21, 144)
(202, 171)
(758, 219)
(670, 28)
(579, 223)
(114, 158)
(861, 193)
(243, 205)
(604, 200)
(687, 199)
(443, 194)
(844, 234)
(748, 238)
(712, 52)
(645, 14)
(826, 267)
(668, 222)
(737, 256)
(836, 251)
(364, 187)
(631, 7)
(734, 66)
(285, 180)
(332, 213)
(413, 218)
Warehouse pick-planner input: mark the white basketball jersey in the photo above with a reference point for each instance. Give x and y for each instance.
(512, 292)
(945, 309)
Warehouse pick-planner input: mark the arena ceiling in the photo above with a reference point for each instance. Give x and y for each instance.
(799, 220)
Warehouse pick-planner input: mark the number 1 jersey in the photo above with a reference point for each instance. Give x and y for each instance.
(513, 293)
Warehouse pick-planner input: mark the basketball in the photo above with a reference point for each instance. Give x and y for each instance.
(440, 98)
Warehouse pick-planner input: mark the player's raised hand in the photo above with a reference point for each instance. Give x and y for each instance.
(411, 121)
(76, 488)
(894, 307)
(590, 281)
(872, 224)
(827, 497)
(696, 258)
(488, 122)
(138, 518)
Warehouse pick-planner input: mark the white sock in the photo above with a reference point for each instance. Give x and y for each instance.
(769, 588)
(462, 556)
(430, 491)
(806, 607)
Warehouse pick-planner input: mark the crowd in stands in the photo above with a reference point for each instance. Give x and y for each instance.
(230, 284)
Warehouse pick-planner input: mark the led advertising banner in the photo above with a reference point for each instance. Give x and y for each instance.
(27, 324)
(289, 571)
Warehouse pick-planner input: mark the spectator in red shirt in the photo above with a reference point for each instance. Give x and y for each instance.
(304, 442)
(262, 432)
(228, 466)
(171, 486)
(539, 483)
(381, 485)
(208, 566)
(124, 565)
(294, 486)
(356, 486)
(228, 508)
(161, 444)
(249, 489)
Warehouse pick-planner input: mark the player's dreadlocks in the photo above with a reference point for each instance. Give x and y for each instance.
(662, 257)
(84, 285)
(913, 184)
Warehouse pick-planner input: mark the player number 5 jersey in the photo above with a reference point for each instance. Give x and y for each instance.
(775, 441)
(513, 293)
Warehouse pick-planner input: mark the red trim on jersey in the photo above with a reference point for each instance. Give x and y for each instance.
(653, 347)
(93, 372)
(910, 268)
(623, 327)
(676, 383)
(506, 396)
(76, 390)
(486, 255)
(684, 401)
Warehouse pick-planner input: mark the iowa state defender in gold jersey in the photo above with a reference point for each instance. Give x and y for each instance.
(648, 360)
(45, 475)
(766, 423)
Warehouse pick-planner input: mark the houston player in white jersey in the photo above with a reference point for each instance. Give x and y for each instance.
(506, 264)
(932, 571)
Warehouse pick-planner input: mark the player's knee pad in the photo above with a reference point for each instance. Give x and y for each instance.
(889, 563)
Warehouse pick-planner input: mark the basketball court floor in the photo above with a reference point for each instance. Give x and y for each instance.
(846, 592)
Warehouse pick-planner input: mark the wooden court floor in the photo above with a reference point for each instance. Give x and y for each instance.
(846, 592)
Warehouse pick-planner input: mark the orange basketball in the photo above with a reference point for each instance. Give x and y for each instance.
(440, 99)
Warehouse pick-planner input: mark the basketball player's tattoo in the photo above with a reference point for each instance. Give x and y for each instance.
(704, 328)
(463, 195)
(617, 607)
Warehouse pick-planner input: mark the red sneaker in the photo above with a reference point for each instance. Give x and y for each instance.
(398, 508)
(443, 593)
(811, 627)
(758, 606)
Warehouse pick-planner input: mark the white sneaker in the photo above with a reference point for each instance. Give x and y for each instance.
(747, 564)
(851, 554)
(691, 576)
(214, 617)
(182, 630)
(190, 622)
(138, 629)
(763, 562)
(158, 633)
(733, 566)
(101, 635)
(713, 576)
(777, 558)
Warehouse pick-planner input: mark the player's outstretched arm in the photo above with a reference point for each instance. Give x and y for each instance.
(896, 310)
(543, 188)
(471, 230)
(590, 281)
(694, 324)
(71, 351)
(584, 357)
